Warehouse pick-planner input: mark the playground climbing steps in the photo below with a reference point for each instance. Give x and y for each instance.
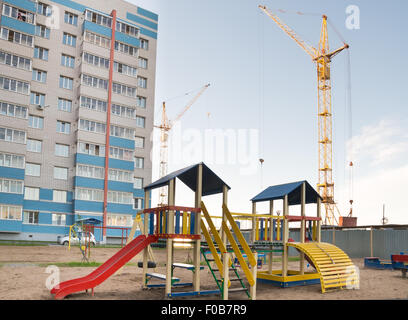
(334, 266)
(217, 248)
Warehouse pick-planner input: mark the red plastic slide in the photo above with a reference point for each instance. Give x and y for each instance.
(104, 271)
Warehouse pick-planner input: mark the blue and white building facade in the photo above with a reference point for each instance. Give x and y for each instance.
(55, 88)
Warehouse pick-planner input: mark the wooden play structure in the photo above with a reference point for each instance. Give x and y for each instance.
(221, 248)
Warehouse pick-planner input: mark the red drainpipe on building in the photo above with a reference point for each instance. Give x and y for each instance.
(108, 119)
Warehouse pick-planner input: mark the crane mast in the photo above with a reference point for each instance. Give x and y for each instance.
(165, 127)
(322, 58)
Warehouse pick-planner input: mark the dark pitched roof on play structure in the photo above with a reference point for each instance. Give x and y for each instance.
(89, 221)
(290, 189)
(212, 184)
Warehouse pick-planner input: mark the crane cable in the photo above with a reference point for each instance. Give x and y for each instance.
(261, 50)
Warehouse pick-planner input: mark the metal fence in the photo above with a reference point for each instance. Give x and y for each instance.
(358, 243)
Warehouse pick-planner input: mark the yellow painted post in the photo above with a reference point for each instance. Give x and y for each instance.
(257, 229)
(225, 282)
(270, 236)
(302, 226)
(185, 223)
(252, 288)
(285, 237)
(253, 233)
(197, 225)
(145, 231)
(278, 226)
(170, 230)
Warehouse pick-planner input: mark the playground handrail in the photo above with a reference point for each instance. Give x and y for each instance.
(239, 236)
(238, 253)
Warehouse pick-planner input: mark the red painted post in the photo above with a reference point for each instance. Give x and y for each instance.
(108, 117)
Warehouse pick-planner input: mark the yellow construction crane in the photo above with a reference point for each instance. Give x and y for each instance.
(322, 58)
(165, 127)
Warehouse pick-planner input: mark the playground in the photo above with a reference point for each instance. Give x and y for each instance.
(212, 262)
(22, 274)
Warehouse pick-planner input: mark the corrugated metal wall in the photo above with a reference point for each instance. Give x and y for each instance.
(356, 243)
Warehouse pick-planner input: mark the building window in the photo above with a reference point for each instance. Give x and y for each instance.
(41, 53)
(138, 203)
(15, 61)
(124, 90)
(138, 183)
(88, 194)
(10, 212)
(139, 142)
(12, 135)
(39, 75)
(92, 126)
(91, 149)
(33, 169)
(142, 82)
(64, 105)
(42, 31)
(66, 83)
(127, 29)
(120, 175)
(12, 110)
(122, 132)
(35, 122)
(34, 145)
(14, 85)
(59, 196)
(60, 173)
(144, 44)
(123, 111)
(119, 220)
(70, 18)
(90, 171)
(37, 98)
(140, 122)
(67, 61)
(69, 39)
(141, 102)
(18, 14)
(11, 186)
(44, 9)
(98, 18)
(16, 37)
(125, 69)
(58, 219)
(97, 40)
(120, 197)
(142, 63)
(31, 217)
(124, 48)
(139, 163)
(96, 60)
(61, 150)
(63, 127)
(94, 82)
(120, 153)
(94, 104)
(11, 160)
(31, 193)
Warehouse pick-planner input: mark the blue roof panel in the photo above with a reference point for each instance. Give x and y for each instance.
(212, 184)
(292, 190)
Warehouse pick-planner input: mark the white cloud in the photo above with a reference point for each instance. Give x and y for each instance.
(380, 173)
(379, 143)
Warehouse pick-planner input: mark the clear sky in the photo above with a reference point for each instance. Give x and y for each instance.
(262, 80)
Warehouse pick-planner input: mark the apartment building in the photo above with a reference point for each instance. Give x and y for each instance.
(77, 81)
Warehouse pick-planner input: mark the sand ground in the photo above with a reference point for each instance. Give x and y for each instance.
(23, 276)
